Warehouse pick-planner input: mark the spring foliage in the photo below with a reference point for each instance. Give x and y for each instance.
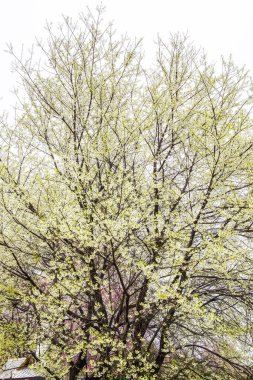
(126, 211)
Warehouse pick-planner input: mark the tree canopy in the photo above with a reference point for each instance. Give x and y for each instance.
(126, 210)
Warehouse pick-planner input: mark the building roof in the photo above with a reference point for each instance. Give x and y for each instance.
(14, 363)
(18, 369)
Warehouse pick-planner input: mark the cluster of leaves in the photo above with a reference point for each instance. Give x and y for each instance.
(126, 211)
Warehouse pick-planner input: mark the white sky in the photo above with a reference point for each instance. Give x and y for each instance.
(219, 26)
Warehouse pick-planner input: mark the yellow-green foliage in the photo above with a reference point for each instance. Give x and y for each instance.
(126, 211)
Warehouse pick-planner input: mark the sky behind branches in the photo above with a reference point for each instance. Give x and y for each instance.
(221, 27)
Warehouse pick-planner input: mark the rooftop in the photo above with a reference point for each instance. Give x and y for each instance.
(18, 369)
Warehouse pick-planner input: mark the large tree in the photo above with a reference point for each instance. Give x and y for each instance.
(126, 211)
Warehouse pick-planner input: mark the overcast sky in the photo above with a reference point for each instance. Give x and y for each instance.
(221, 27)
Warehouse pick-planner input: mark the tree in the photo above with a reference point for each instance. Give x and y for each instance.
(126, 210)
